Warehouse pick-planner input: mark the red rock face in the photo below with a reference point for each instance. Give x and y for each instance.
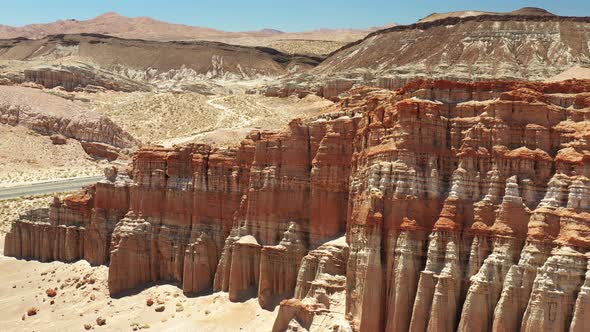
(454, 207)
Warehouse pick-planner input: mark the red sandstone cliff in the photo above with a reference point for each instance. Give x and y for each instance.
(439, 207)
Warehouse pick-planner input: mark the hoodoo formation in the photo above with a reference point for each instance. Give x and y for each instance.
(438, 207)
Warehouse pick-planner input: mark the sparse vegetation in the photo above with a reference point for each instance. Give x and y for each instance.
(137, 326)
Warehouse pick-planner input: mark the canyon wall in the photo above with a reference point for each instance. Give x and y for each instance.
(438, 207)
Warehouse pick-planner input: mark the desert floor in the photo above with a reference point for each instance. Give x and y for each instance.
(172, 118)
(82, 297)
(26, 156)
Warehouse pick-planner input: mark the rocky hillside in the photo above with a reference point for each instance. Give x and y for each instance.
(75, 61)
(47, 114)
(526, 44)
(441, 206)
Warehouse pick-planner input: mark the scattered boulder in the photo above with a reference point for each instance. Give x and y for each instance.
(32, 311)
(111, 173)
(58, 139)
(51, 292)
(101, 321)
(101, 150)
(160, 308)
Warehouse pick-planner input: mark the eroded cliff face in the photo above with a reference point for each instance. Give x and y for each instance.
(531, 46)
(438, 207)
(48, 115)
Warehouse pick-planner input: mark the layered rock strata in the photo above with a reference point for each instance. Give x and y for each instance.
(532, 46)
(51, 115)
(456, 207)
(76, 61)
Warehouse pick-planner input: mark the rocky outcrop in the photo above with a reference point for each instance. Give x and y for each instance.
(80, 76)
(57, 139)
(481, 47)
(331, 89)
(438, 207)
(51, 115)
(101, 151)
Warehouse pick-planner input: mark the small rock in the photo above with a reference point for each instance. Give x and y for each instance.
(51, 292)
(32, 311)
(58, 139)
(101, 321)
(160, 308)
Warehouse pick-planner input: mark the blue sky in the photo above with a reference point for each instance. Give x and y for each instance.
(294, 15)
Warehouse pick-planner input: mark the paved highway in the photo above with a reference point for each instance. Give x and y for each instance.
(48, 187)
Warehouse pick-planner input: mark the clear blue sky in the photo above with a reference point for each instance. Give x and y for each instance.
(294, 15)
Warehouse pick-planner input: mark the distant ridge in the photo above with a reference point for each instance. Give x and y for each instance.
(526, 11)
(117, 25)
(467, 46)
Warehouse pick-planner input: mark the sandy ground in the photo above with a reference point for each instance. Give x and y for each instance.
(82, 297)
(579, 73)
(26, 156)
(172, 118)
(311, 47)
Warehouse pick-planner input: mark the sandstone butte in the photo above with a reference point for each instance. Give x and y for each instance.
(438, 207)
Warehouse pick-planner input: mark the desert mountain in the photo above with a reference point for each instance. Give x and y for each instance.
(116, 25)
(78, 60)
(525, 44)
